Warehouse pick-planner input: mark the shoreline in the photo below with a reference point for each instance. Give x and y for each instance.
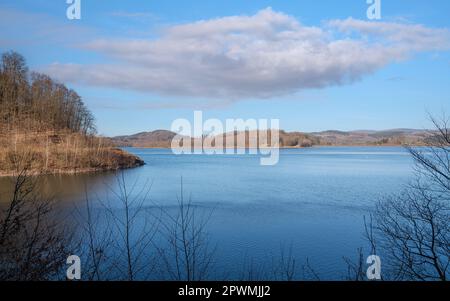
(293, 147)
(79, 171)
(125, 160)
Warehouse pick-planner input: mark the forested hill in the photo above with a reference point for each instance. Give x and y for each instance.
(45, 126)
(396, 137)
(33, 101)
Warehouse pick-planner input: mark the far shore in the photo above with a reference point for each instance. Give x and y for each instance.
(65, 171)
(295, 147)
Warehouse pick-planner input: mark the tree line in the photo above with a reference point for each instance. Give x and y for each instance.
(34, 101)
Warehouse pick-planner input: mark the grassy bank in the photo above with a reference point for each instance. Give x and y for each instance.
(45, 126)
(62, 152)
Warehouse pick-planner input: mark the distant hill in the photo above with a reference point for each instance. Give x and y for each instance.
(368, 137)
(163, 138)
(159, 138)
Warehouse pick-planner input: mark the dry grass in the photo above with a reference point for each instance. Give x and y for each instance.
(62, 152)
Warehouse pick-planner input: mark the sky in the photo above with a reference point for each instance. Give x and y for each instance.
(314, 65)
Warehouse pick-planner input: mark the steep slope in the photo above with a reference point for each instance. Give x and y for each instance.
(46, 128)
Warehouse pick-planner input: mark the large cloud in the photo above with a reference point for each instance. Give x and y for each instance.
(261, 56)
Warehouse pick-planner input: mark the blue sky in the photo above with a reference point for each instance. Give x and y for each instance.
(141, 64)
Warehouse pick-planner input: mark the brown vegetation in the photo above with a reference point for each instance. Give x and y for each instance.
(163, 138)
(48, 123)
(62, 152)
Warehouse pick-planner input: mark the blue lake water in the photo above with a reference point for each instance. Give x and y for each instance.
(313, 200)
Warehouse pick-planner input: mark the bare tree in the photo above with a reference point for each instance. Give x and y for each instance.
(356, 269)
(309, 273)
(187, 254)
(96, 240)
(284, 267)
(130, 255)
(255, 271)
(412, 228)
(33, 243)
(37, 101)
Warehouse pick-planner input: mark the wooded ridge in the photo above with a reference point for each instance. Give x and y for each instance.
(396, 137)
(47, 127)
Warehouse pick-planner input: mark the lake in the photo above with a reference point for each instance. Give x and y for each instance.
(312, 201)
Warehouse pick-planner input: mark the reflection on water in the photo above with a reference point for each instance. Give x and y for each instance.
(314, 199)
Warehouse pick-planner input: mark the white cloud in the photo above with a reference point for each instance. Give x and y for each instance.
(407, 37)
(265, 55)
